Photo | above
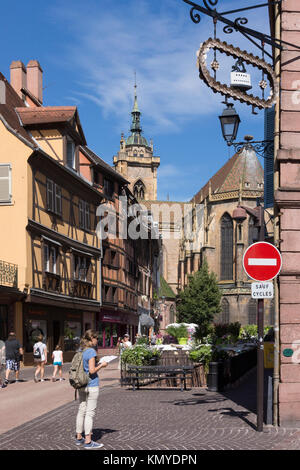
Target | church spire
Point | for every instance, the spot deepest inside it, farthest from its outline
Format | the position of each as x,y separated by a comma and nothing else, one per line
136,115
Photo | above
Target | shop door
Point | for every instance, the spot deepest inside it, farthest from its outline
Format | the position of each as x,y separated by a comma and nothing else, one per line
56,333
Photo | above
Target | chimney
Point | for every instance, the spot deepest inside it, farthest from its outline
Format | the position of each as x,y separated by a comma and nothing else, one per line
35,79
18,77
2,92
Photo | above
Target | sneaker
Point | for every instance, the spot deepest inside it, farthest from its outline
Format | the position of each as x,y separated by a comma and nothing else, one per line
79,442
6,382
93,445
3,386
61,380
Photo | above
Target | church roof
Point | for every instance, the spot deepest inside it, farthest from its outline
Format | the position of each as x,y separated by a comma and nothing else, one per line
137,139
243,167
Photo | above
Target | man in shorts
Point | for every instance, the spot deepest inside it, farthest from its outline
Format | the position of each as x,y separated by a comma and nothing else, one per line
13,351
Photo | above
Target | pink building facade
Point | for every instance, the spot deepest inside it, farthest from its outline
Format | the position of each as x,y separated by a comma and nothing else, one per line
286,26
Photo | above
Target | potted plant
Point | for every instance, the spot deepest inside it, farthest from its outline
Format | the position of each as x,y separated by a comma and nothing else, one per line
180,332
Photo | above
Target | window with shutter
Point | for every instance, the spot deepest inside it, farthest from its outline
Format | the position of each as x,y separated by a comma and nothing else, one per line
269,158
87,221
58,203
46,258
81,214
50,194
53,260
54,198
226,248
5,184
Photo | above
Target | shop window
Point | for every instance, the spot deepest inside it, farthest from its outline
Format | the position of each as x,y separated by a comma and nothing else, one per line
72,335
33,329
107,336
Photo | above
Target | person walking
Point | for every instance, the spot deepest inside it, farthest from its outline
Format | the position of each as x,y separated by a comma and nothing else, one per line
88,395
123,344
57,357
40,358
13,353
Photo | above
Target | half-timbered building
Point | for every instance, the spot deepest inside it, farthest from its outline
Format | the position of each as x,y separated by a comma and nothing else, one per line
48,217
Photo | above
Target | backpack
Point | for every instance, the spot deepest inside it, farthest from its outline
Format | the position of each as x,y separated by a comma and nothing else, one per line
78,378
37,353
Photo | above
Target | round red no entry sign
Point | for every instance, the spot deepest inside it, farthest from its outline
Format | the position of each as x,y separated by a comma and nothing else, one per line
262,261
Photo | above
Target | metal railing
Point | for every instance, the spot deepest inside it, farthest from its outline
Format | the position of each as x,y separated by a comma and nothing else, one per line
8,274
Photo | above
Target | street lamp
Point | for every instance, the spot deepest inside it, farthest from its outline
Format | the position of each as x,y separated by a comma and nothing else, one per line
230,121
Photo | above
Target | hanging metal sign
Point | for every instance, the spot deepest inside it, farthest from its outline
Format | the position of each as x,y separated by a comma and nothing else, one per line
237,91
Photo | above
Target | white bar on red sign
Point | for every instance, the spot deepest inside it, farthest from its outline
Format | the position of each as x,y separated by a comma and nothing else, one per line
262,262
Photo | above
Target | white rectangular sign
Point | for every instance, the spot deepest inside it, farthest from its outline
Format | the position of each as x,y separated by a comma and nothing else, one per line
262,290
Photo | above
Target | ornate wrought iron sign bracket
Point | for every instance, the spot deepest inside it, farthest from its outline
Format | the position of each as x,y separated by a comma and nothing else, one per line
263,148
238,24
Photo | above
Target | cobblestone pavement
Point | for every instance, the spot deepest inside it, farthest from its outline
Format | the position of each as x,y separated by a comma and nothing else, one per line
155,419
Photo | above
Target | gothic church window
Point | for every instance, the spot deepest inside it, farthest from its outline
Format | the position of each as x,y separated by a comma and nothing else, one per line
252,232
139,190
252,311
226,248
225,314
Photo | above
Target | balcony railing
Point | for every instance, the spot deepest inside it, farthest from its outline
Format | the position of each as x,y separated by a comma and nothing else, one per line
8,274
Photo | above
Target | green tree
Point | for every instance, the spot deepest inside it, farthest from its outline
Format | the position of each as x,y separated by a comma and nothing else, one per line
200,301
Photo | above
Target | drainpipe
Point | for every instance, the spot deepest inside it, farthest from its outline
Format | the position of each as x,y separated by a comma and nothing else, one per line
276,372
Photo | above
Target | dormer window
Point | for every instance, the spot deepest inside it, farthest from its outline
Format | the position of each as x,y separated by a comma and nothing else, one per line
71,160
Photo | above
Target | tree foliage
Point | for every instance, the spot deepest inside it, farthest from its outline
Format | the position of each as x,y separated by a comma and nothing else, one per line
200,301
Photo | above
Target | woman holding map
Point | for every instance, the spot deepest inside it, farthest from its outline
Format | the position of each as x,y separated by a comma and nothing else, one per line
88,395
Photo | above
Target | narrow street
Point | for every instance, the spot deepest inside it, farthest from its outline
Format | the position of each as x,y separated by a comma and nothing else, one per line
148,419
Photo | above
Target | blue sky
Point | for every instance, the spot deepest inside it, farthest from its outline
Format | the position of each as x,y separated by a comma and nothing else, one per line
89,51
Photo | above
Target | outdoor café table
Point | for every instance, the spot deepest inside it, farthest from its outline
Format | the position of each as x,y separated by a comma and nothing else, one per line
160,373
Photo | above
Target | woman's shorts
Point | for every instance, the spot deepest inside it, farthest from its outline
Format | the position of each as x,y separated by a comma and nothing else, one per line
11,364
57,363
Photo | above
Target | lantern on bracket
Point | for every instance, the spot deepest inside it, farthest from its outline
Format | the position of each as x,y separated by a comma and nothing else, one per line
230,121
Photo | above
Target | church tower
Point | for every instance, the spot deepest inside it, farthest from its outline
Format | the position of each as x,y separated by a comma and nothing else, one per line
135,160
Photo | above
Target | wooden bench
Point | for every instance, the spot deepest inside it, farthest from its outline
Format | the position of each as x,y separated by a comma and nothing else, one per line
138,373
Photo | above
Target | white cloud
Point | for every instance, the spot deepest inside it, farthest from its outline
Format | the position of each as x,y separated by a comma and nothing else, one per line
160,48
159,41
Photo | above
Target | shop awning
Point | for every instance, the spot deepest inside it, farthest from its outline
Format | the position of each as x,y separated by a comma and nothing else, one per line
146,320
